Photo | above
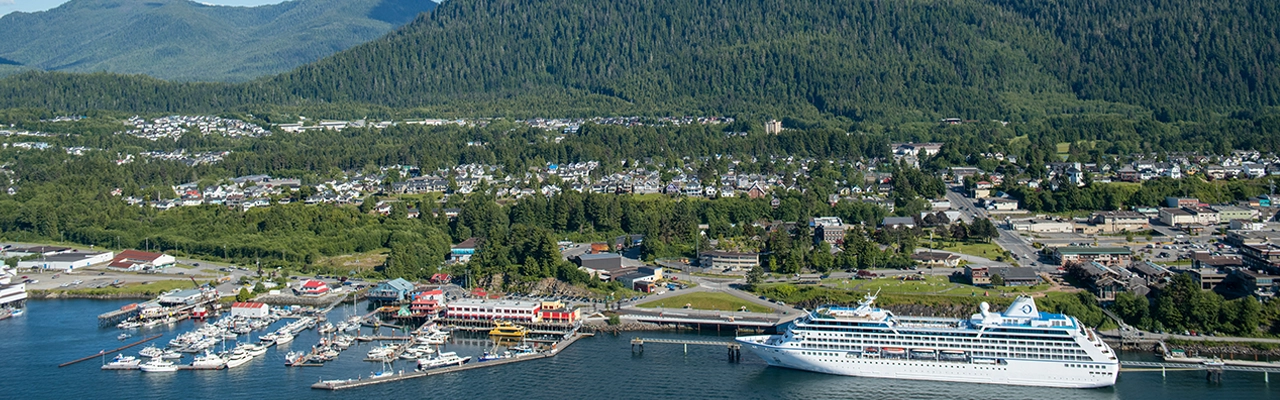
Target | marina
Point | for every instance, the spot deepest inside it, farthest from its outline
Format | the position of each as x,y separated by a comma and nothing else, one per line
401,375
667,368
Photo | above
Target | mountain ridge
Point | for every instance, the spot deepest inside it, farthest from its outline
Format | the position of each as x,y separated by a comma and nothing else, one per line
189,41
860,59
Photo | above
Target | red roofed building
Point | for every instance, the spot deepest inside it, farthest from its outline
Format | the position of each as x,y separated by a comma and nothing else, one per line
428,303
134,260
313,287
441,278
250,310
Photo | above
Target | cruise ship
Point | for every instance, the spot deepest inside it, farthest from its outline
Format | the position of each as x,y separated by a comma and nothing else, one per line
13,294
1021,346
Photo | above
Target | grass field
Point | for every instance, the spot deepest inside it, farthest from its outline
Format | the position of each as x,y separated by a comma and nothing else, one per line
353,262
984,250
150,288
706,301
931,285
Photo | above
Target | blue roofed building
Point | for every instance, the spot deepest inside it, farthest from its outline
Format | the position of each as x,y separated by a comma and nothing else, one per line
392,291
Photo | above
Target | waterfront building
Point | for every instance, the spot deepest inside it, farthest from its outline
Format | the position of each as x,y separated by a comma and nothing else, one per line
250,310
391,291
511,310
427,303
555,311
1020,346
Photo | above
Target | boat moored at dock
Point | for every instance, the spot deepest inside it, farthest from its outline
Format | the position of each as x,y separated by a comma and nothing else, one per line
1021,346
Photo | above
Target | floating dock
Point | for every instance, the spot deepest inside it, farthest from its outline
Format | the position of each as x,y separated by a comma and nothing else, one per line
105,352
355,383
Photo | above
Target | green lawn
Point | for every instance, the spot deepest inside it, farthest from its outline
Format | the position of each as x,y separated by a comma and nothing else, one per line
931,285
359,262
706,301
984,250
150,289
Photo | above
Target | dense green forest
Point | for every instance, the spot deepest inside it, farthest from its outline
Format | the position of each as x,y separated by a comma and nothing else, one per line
189,41
1181,305
862,60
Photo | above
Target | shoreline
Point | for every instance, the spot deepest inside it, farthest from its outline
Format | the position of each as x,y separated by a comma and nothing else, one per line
602,327
61,295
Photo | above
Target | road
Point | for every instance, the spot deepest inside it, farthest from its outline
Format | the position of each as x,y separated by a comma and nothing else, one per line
964,204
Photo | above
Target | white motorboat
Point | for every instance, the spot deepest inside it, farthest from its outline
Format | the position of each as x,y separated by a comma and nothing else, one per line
122,360
382,352
158,365
208,360
444,359
238,357
151,351
253,349
268,338
283,337
171,355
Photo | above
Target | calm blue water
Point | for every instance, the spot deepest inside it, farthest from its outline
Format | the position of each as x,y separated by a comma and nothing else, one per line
56,331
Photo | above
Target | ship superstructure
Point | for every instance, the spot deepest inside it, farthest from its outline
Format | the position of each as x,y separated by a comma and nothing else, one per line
1020,346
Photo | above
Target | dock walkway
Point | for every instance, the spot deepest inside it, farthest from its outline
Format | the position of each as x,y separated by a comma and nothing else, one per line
355,383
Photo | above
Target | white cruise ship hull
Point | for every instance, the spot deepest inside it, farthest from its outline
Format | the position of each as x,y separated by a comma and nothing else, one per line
1014,372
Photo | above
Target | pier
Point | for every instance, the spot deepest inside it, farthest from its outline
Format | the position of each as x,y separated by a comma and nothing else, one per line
105,352
400,376
1213,371
113,317
734,348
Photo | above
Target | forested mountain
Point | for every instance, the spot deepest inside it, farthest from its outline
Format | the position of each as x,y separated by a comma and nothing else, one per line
185,40
862,59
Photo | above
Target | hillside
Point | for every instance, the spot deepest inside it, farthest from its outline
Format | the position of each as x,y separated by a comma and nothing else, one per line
862,59
184,40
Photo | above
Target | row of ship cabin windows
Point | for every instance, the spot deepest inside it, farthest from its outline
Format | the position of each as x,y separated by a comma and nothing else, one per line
1054,343
824,354
1052,335
1022,353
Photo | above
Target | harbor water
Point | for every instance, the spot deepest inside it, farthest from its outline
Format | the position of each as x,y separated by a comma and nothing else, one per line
57,331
